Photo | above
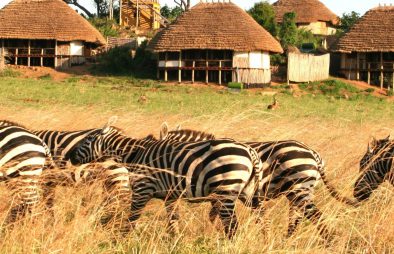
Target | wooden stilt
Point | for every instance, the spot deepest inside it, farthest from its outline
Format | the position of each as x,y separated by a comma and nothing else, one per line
28,53
194,65
369,73
41,58
179,67
206,70
358,67
381,71
16,56
55,60
392,77
165,68
220,72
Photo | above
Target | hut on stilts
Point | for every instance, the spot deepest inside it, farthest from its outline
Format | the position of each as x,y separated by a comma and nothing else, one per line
215,42
46,33
367,50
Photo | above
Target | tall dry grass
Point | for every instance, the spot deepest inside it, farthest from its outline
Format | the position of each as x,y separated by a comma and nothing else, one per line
341,142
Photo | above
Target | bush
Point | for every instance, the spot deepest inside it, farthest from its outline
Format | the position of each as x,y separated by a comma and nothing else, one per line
106,27
119,61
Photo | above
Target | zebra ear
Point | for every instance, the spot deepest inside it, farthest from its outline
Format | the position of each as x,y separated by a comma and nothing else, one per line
108,125
371,144
178,127
387,139
163,130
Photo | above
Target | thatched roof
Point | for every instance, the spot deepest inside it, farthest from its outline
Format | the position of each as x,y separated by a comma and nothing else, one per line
307,11
215,26
374,32
47,20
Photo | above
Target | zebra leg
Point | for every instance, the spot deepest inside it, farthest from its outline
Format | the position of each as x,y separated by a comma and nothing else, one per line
142,194
27,189
228,217
173,217
302,205
214,212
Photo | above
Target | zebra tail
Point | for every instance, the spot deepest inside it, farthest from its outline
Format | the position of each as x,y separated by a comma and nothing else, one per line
334,193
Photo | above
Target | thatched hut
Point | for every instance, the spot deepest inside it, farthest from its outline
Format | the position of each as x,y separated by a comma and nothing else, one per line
367,50
46,33
311,15
215,42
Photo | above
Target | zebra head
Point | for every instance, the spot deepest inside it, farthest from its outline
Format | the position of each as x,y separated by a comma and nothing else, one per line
96,146
374,167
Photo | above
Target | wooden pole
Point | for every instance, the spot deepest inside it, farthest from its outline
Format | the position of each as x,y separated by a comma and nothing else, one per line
220,72
206,66
179,67
42,59
392,77
55,60
165,68
381,71
369,73
28,53
120,12
16,56
194,65
358,67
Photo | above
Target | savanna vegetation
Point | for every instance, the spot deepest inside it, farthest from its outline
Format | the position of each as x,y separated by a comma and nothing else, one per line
333,117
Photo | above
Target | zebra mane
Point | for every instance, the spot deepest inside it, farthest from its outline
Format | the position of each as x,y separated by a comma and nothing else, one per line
10,123
192,133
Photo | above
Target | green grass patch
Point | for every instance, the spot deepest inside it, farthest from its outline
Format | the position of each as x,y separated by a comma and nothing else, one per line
123,93
8,72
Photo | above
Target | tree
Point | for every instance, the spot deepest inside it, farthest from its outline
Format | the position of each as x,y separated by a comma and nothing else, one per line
77,4
348,20
171,13
102,8
288,30
264,14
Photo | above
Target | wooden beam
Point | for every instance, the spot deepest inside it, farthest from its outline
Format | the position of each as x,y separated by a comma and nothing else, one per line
42,58
120,12
137,15
165,68
220,72
16,58
194,65
369,73
381,71
180,69
358,67
55,60
206,70
28,53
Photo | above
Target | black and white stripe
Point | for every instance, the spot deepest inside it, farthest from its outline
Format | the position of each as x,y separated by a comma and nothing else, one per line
376,166
222,170
23,157
290,168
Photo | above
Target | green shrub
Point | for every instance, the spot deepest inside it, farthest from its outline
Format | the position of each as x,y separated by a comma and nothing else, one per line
235,85
390,93
106,27
369,90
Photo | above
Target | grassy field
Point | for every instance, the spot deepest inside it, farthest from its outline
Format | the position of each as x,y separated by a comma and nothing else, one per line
332,117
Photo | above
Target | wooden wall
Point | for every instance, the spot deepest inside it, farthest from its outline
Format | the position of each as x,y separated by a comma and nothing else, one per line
307,67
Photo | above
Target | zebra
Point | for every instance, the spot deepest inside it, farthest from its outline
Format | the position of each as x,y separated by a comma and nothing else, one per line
290,168
23,157
376,166
222,170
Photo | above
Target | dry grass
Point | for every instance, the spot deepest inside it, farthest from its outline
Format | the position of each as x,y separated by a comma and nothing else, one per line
341,142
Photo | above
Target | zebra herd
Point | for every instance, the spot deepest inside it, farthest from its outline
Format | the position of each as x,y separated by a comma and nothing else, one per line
187,164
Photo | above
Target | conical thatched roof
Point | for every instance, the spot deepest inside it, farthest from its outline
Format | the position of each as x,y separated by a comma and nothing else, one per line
47,20
374,32
307,11
215,26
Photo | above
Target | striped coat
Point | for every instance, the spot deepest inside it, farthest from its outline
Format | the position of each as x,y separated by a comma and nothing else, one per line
222,170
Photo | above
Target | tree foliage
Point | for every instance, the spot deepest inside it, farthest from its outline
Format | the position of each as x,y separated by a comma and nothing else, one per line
348,20
264,14
170,13
288,30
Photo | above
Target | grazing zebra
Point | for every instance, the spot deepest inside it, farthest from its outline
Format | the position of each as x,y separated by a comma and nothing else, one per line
290,168
222,170
23,157
376,167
